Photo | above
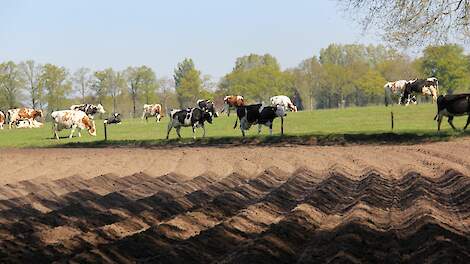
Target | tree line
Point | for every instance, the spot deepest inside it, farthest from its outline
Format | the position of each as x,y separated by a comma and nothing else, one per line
340,76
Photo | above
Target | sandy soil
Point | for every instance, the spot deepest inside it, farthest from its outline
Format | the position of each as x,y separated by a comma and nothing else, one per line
409,203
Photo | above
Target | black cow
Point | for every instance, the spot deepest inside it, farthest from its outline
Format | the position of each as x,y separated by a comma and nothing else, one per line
207,105
89,109
114,119
452,105
427,87
258,114
193,117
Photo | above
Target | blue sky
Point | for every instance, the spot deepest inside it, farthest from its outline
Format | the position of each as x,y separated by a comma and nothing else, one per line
99,34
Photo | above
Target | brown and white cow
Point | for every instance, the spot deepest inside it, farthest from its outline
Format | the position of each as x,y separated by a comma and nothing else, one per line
14,115
2,119
72,119
152,110
232,102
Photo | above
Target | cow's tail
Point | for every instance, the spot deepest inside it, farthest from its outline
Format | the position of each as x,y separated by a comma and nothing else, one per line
235,125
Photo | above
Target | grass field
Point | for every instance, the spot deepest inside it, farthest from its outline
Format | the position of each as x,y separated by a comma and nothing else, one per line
412,121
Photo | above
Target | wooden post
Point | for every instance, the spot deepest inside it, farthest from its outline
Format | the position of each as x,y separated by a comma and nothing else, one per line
391,119
105,132
282,126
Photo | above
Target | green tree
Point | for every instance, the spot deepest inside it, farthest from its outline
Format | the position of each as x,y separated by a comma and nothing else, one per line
258,77
83,80
139,80
31,72
11,83
188,83
448,64
55,81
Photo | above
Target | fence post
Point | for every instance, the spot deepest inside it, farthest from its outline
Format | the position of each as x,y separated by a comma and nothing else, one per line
105,132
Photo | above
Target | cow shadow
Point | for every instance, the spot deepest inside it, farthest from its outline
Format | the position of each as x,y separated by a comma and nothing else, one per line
334,139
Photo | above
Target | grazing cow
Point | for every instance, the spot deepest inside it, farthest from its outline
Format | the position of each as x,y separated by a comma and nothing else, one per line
452,105
23,113
257,114
114,119
89,109
193,117
232,102
427,87
283,101
208,106
152,110
396,88
72,119
2,119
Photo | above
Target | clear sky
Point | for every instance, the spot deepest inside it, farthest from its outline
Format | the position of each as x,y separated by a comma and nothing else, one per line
99,34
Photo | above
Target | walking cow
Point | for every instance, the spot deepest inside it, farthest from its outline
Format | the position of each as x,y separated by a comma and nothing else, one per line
72,119
191,117
258,114
450,106
426,87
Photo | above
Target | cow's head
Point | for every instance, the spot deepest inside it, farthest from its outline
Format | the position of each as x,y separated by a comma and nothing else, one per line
100,109
90,125
37,113
207,116
280,112
211,109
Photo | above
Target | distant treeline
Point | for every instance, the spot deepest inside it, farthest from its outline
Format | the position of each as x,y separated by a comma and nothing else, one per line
341,76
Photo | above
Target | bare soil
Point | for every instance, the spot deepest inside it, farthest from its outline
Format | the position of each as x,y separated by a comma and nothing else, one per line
237,204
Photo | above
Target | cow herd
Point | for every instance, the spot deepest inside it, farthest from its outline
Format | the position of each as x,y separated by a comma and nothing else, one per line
81,117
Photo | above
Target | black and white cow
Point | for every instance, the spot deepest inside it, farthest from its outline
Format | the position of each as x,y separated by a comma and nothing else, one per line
258,114
450,106
426,87
191,117
89,109
114,119
207,105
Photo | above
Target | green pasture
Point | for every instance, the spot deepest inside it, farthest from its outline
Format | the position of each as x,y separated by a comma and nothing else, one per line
411,121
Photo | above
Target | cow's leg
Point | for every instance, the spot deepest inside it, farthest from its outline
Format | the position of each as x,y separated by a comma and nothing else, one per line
170,126
194,131
73,131
158,118
79,132
468,122
56,131
449,120
228,111
271,129
203,131
439,120
178,131
259,128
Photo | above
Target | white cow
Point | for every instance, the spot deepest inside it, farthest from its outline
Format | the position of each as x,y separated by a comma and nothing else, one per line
71,119
283,101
